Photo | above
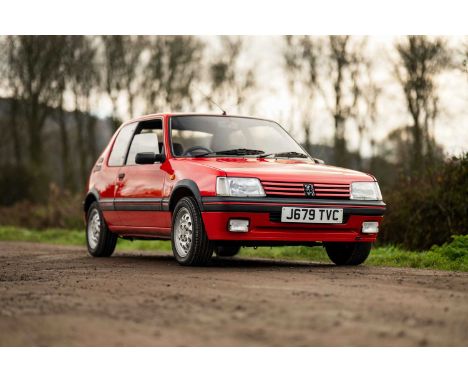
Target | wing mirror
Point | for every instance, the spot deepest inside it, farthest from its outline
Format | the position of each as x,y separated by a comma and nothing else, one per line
149,158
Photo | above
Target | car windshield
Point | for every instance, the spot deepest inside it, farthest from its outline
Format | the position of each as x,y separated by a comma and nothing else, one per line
205,136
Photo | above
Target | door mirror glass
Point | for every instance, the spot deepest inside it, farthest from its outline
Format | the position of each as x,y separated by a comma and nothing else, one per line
148,158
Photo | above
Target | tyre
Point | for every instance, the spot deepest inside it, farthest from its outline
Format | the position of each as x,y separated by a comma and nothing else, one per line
190,244
348,253
99,239
227,251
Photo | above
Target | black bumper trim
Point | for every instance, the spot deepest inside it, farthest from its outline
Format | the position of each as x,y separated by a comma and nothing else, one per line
292,201
274,205
277,209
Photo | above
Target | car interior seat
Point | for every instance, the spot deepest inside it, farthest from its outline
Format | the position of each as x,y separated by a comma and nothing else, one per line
177,149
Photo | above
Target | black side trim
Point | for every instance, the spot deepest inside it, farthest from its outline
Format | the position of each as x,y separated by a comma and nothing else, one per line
137,200
165,204
131,204
137,207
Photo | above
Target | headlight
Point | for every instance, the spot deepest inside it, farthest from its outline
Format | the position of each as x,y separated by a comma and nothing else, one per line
365,191
226,186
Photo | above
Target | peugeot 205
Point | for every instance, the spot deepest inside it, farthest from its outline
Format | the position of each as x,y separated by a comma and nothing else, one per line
216,183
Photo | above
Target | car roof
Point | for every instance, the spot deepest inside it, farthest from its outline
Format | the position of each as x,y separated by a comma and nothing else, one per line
159,115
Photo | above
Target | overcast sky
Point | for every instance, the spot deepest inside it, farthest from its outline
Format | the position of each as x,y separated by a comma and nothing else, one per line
272,99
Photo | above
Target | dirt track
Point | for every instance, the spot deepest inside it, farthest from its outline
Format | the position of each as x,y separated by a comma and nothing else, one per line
56,295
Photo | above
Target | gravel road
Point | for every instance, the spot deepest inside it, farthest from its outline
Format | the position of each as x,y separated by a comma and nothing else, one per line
59,296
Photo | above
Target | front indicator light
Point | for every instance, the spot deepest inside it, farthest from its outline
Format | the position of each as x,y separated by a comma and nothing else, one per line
370,227
238,225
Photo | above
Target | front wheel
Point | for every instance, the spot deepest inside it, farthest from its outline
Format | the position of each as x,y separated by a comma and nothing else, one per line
99,239
190,244
348,253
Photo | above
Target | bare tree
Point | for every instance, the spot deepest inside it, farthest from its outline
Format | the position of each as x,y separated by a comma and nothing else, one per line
10,81
464,53
173,65
301,62
134,47
346,65
67,169
339,61
113,71
83,78
230,84
365,94
421,60
123,58
35,68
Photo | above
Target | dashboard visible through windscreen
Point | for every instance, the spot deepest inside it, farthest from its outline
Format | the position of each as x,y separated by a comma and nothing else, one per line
196,135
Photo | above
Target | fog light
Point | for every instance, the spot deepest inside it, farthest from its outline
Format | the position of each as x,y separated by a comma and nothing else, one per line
238,225
370,227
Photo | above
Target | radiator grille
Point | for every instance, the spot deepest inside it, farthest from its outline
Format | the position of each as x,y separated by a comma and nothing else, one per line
296,190
331,191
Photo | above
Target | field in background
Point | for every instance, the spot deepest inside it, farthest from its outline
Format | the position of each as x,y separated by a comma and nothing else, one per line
452,256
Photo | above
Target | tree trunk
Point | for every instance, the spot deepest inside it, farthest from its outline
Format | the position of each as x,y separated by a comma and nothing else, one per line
91,134
307,132
14,131
35,122
81,148
339,141
67,171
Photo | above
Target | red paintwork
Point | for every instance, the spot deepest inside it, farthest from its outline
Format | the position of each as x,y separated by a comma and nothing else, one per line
262,229
158,181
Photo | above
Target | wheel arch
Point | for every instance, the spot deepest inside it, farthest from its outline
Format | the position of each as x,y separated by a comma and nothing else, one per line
185,187
92,196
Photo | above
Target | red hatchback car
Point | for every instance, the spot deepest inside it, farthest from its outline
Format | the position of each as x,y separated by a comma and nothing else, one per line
214,183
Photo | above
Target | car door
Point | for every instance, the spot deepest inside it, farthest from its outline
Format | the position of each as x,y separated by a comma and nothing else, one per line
107,183
139,187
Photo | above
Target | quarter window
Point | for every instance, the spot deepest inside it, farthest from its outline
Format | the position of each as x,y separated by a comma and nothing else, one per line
119,150
147,139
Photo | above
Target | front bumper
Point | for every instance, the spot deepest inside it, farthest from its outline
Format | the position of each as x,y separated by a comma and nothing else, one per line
264,215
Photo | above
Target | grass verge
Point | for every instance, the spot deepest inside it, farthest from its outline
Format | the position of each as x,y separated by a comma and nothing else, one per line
451,256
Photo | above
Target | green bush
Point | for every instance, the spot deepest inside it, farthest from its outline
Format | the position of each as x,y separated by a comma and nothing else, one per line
454,251
61,210
428,210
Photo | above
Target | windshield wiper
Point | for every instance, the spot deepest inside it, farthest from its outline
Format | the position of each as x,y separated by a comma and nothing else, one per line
232,152
288,154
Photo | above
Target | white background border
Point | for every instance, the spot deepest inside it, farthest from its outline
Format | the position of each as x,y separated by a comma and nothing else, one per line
233,17
264,17
233,364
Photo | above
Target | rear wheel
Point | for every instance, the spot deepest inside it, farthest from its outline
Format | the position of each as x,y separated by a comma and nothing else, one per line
348,253
100,240
227,250
190,244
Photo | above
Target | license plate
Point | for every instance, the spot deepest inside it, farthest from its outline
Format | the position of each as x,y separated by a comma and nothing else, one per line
312,215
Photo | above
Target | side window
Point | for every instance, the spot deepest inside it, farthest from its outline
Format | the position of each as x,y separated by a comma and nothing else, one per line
146,139
119,150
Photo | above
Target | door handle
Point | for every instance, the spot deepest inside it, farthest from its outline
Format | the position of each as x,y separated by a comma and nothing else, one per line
121,175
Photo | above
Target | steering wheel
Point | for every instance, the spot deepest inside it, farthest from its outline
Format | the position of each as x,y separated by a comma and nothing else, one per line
190,150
